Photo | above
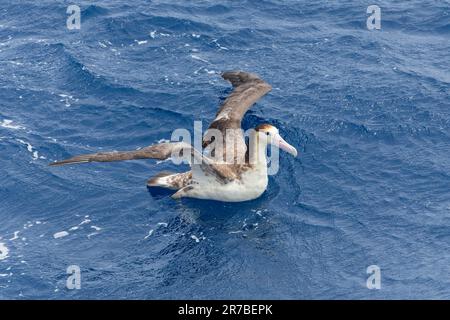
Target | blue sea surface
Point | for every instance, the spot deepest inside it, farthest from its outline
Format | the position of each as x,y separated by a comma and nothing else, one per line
369,112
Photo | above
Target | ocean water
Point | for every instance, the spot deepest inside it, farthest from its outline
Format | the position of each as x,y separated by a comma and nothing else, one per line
369,112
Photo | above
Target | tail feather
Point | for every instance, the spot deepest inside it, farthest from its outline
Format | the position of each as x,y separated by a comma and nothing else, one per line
161,180
170,180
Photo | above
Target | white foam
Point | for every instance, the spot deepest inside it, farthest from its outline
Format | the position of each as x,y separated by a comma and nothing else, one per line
218,45
16,63
141,42
8,124
27,225
60,234
164,224
149,234
30,149
195,238
3,251
96,228
211,71
16,236
195,57
29,146
86,221
153,34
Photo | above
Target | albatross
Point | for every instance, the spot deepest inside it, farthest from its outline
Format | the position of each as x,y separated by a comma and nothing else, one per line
227,168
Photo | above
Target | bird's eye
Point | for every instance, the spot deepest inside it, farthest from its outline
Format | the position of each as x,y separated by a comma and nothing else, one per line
267,133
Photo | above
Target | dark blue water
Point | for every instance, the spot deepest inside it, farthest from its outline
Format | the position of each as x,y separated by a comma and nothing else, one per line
369,112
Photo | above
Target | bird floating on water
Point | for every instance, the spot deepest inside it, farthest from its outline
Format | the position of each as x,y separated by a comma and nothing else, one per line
243,178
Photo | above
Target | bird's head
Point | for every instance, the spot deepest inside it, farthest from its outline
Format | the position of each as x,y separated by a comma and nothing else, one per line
270,135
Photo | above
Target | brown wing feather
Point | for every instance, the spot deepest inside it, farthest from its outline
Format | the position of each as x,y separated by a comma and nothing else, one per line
159,151
248,88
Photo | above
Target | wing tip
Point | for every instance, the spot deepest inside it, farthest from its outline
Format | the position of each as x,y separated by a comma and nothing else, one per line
238,77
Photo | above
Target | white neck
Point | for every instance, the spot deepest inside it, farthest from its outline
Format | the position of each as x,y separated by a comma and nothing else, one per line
258,149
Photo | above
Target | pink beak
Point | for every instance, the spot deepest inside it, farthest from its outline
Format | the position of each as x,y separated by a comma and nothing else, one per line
283,145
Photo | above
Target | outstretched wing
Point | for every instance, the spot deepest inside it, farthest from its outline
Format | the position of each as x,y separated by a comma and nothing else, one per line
248,88
161,151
